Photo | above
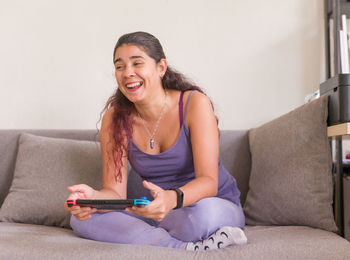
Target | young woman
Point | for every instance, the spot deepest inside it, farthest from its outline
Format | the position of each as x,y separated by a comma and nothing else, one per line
166,127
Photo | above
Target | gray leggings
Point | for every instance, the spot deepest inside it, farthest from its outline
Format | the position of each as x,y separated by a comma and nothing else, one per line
188,224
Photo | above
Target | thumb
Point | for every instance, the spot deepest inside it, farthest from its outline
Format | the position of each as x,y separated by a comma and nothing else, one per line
152,187
77,188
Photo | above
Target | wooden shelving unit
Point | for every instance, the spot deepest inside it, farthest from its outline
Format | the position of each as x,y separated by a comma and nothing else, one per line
333,10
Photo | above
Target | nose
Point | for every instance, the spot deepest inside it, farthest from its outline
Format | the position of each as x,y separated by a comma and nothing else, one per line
129,71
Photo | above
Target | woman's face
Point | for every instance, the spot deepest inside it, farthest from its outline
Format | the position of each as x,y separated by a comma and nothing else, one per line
137,74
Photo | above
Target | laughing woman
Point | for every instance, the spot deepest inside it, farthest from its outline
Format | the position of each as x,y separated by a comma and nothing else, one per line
166,128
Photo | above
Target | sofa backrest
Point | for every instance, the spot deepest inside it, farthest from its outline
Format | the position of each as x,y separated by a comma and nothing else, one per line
235,155
234,152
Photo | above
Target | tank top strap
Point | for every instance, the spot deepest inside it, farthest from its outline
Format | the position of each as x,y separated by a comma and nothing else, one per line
188,100
181,108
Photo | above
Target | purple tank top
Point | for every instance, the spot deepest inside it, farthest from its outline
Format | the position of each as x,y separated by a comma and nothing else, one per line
174,167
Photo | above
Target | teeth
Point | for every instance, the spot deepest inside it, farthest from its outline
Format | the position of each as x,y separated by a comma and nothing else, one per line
133,85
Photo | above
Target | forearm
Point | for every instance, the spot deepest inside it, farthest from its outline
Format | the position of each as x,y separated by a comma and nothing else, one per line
199,188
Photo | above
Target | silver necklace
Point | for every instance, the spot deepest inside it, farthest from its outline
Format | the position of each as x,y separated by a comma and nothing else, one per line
151,141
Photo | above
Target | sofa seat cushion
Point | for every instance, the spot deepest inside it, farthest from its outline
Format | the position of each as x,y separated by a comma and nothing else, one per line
272,242
30,241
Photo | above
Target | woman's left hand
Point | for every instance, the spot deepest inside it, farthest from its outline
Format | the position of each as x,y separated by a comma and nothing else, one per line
164,201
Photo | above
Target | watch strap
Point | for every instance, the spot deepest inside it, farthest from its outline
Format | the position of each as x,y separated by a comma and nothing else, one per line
180,197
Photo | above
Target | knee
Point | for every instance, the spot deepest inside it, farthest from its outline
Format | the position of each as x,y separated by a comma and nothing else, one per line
195,222
79,227
222,212
203,218
213,213
209,211
85,228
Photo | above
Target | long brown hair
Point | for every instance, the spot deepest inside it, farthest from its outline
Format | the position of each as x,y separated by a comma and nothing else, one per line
121,121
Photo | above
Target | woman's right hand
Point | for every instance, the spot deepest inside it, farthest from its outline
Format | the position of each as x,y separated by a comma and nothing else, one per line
80,191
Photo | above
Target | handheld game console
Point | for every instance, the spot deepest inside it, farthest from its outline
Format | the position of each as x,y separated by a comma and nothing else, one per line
111,204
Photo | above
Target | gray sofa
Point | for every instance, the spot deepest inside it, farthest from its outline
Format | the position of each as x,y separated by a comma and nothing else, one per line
21,239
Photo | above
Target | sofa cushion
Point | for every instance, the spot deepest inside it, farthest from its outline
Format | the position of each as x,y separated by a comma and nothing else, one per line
235,156
44,168
290,182
42,242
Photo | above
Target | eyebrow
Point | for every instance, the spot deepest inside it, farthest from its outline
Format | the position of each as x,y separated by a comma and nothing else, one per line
132,57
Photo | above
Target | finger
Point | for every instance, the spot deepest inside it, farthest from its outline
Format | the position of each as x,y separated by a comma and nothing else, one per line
143,212
149,215
84,214
154,189
75,208
85,211
72,196
151,186
155,210
134,210
84,218
154,194
69,208
88,209
77,188
80,209
76,212
73,188
76,195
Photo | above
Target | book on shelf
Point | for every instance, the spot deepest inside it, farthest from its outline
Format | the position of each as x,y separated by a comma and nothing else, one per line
344,44
344,54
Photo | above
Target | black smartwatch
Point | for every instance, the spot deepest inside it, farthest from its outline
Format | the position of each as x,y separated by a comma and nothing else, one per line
180,197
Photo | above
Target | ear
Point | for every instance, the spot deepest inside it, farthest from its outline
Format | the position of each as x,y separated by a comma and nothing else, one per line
162,66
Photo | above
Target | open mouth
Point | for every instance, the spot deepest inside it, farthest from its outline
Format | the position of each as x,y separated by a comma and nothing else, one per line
133,86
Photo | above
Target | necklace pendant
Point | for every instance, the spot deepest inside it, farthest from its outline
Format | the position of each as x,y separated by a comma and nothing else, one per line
151,143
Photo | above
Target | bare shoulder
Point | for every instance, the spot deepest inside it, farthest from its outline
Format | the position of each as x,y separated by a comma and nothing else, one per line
198,102
199,107
199,98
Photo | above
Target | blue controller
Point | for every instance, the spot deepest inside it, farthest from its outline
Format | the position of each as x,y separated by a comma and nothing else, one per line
141,202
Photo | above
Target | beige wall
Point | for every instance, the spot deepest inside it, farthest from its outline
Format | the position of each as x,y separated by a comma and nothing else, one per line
256,59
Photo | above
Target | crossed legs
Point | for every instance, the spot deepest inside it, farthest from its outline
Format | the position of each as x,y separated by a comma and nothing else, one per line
180,226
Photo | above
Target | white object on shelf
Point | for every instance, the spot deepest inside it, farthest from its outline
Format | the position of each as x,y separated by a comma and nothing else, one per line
312,96
344,48
344,61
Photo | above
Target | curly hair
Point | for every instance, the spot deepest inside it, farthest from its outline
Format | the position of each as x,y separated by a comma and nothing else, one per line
121,120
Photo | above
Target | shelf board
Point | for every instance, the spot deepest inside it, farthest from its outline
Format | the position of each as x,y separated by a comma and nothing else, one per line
336,130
